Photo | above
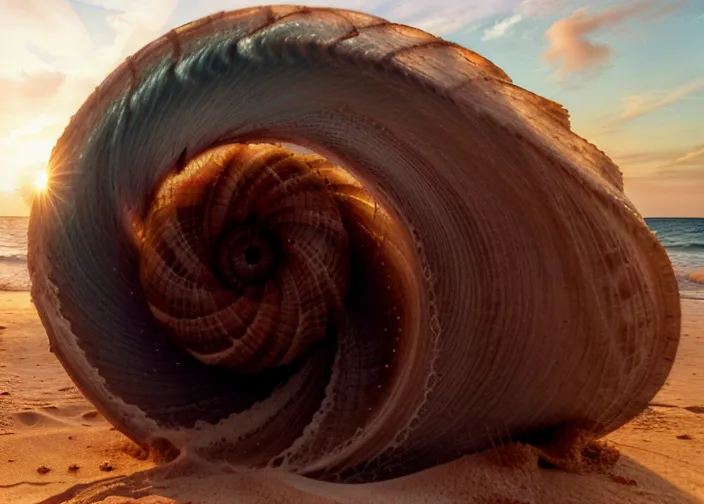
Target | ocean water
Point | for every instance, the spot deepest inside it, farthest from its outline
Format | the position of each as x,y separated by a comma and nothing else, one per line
682,238
684,241
13,254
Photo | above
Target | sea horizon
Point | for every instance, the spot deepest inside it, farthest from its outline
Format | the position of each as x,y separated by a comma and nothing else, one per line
682,238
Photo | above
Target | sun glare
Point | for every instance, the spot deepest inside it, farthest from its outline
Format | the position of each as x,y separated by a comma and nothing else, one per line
41,181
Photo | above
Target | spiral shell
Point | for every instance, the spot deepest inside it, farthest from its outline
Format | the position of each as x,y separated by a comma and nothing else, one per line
470,272
244,258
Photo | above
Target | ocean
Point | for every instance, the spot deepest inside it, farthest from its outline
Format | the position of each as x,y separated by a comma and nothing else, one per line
13,254
682,238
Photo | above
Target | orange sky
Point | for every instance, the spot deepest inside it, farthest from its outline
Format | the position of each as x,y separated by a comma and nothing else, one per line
629,72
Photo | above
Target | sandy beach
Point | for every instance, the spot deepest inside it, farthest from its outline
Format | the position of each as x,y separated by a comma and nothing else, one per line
54,445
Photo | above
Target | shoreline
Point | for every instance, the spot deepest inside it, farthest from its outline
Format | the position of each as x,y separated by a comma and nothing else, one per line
46,423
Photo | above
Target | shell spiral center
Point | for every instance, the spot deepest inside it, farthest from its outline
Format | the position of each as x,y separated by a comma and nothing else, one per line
244,256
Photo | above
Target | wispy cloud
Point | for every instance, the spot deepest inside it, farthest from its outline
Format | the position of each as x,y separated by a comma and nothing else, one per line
659,160
523,10
644,103
501,28
693,157
655,158
570,48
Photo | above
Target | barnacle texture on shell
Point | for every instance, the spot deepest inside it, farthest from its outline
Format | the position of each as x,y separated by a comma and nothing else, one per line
457,269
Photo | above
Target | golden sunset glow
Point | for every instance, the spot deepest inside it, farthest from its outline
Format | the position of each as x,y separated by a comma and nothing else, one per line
41,181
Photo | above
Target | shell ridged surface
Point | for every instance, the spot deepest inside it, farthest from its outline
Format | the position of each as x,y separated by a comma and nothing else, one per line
459,269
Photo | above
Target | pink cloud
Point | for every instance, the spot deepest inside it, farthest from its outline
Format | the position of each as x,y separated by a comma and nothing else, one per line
569,44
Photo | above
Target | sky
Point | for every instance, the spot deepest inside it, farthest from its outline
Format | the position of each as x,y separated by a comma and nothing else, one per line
631,73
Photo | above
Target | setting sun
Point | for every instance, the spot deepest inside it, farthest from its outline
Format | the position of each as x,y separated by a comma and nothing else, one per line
41,180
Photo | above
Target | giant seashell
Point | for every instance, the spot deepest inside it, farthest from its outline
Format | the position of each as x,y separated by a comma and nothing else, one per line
464,268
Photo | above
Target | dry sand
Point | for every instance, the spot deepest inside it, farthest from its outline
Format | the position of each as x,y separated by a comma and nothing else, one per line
46,423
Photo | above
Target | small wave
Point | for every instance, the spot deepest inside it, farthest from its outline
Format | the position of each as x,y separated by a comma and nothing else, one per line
14,285
13,258
13,273
692,296
697,276
690,246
